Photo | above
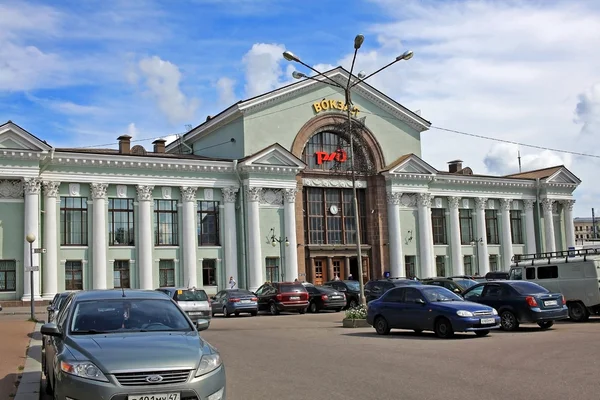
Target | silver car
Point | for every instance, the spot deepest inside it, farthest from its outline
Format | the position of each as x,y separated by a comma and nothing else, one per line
193,301
129,345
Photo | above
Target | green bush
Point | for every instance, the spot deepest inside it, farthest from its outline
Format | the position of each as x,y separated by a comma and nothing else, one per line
358,312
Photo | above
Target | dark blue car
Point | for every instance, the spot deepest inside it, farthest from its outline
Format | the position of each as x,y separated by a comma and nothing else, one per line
430,308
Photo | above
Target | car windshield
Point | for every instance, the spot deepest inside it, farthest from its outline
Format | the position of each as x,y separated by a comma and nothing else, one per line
465,283
436,293
352,285
127,315
526,288
191,295
406,282
60,301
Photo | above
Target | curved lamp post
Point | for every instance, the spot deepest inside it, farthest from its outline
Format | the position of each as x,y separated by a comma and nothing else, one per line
274,241
358,41
30,239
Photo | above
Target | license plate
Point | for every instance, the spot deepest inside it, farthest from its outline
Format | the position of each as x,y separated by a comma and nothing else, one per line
155,396
486,321
336,297
550,303
245,301
197,313
295,298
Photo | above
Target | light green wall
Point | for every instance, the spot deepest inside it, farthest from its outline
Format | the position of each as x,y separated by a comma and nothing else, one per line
12,240
271,217
213,144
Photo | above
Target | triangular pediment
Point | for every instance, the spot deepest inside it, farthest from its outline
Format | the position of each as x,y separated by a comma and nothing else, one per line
13,137
563,175
273,156
411,164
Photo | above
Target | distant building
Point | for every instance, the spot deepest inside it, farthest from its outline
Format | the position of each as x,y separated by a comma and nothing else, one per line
584,229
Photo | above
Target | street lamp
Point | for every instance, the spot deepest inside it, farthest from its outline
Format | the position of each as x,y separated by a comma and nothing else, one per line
30,239
475,243
274,241
358,41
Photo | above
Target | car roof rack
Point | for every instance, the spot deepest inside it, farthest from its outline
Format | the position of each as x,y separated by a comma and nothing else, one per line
566,254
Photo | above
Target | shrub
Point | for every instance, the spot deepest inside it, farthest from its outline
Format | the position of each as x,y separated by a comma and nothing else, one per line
358,312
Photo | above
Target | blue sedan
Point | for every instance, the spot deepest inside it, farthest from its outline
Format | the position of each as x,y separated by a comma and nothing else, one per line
430,308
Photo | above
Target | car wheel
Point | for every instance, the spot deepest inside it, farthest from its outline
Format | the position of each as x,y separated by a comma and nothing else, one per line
578,312
418,331
482,333
273,309
546,324
302,311
225,312
353,303
237,313
338,309
49,389
254,313
313,307
508,321
443,329
381,326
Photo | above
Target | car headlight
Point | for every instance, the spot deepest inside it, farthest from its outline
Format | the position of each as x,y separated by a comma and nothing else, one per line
208,363
463,313
494,312
83,369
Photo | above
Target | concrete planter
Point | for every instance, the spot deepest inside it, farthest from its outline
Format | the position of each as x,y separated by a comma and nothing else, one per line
355,323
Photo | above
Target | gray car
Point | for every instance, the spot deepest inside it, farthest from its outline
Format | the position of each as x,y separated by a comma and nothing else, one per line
193,301
129,345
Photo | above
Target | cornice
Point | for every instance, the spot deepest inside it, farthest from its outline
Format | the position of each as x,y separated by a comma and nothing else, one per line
328,182
270,183
476,180
21,154
408,176
269,169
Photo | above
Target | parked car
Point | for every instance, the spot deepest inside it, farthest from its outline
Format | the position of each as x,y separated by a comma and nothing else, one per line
55,305
191,300
375,288
463,282
496,276
324,298
430,308
276,297
234,301
448,283
350,288
475,278
129,344
520,302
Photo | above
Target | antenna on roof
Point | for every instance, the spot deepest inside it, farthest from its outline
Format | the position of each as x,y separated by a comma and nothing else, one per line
519,158
123,291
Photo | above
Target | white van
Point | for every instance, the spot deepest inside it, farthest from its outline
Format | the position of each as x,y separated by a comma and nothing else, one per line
574,273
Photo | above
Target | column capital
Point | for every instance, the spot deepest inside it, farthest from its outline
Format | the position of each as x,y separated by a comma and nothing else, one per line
144,192
547,204
424,199
32,185
453,202
481,203
394,198
528,204
188,193
290,195
51,188
99,190
229,194
568,204
505,204
253,193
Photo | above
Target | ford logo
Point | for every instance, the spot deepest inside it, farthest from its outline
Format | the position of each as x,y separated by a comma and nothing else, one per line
154,378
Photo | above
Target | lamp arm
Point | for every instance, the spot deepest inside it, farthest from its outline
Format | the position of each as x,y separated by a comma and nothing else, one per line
322,81
373,73
334,83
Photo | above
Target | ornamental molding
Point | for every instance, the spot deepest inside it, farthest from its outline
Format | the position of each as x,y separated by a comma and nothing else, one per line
481,203
454,202
548,205
32,186
21,154
394,198
272,197
270,170
11,189
99,190
333,183
568,204
408,200
528,205
253,193
290,195
188,193
229,194
505,204
144,192
424,199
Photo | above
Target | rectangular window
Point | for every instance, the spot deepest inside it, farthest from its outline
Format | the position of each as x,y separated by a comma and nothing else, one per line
438,222
165,223
121,274
8,275
166,273
73,275
516,227
549,272
440,265
466,226
409,266
208,223
73,221
491,226
209,272
494,263
272,264
530,273
468,263
120,222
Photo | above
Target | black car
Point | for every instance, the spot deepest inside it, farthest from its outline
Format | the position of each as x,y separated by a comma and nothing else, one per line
496,276
324,298
520,302
350,288
448,283
376,288
55,305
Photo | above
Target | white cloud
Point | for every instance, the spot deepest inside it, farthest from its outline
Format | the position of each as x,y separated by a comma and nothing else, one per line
226,91
163,79
132,130
503,159
263,68
587,111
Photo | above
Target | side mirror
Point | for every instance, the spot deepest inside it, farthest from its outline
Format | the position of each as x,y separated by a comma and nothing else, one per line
420,301
457,290
49,308
202,325
51,329
213,298
343,289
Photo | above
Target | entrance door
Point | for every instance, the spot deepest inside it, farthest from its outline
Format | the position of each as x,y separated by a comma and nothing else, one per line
339,268
318,272
354,269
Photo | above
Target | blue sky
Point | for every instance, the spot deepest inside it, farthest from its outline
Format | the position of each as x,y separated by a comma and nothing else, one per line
81,73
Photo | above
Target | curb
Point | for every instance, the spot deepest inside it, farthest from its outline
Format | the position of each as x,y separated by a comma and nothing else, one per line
31,378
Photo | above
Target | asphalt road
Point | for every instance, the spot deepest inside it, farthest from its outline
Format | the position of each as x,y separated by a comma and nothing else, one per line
299,357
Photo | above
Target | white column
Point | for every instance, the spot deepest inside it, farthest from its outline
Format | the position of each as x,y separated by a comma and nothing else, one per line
190,237
229,236
50,270
425,236
145,237
549,225
99,241
395,235
484,258
529,227
458,267
255,267
506,243
568,221
31,190
291,251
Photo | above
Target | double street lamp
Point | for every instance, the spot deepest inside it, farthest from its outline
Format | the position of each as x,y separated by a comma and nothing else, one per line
358,41
274,241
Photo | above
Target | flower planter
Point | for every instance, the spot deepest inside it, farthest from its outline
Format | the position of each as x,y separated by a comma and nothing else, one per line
355,323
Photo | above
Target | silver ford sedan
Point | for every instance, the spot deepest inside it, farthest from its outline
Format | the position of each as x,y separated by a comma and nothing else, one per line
129,345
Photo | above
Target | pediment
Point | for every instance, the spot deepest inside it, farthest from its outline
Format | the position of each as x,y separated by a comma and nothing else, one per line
274,156
412,165
13,137
563,176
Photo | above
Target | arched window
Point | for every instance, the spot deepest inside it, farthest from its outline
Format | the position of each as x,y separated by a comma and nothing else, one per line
326,151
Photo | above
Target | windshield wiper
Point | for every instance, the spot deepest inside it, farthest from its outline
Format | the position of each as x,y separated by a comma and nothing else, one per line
89,332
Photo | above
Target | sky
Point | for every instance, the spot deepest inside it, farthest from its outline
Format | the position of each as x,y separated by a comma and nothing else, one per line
81,73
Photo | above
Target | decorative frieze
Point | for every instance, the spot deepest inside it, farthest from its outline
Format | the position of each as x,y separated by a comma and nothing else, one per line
229,194
290,195
32,186
122,191
74,189
209,194
11,189
253,193
272,197
394,198
336,183
144,192
51,188
188,193
408,200
99,190
166,192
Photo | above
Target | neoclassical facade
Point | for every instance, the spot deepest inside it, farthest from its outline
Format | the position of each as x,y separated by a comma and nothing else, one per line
260,192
